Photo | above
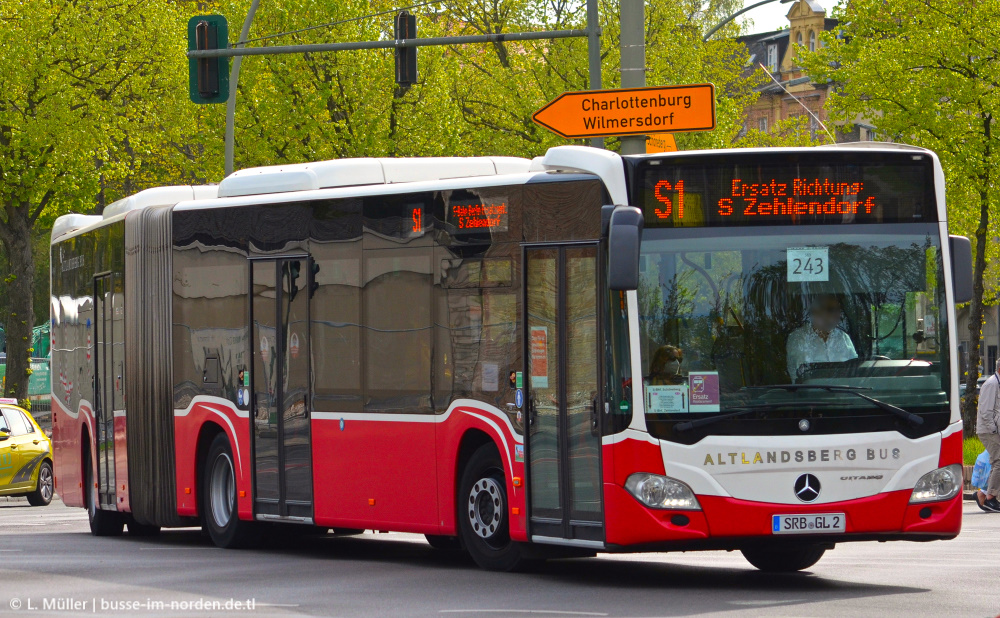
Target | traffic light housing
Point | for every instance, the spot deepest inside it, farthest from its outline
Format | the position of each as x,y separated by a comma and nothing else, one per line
406,57
208,77
313,275
293,271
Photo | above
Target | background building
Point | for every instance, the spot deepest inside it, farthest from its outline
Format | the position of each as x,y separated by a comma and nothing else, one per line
776,51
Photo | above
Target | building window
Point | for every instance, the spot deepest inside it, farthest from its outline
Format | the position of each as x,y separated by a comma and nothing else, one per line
762,123
799,39
772,58
812,40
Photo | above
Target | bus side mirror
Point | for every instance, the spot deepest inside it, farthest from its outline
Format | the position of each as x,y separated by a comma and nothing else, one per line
624,236
961,268
3,435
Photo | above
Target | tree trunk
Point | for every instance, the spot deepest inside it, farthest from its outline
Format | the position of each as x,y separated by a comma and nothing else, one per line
20,293
970,404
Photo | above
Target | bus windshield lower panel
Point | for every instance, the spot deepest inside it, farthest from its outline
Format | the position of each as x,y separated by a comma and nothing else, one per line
793,331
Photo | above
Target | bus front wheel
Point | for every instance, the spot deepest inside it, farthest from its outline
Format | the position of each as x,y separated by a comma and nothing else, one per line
483,512
783,559
218,501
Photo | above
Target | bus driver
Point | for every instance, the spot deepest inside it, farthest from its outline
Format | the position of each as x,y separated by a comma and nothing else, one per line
820,340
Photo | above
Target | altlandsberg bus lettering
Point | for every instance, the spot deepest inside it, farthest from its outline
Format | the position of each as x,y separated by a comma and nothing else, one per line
474,350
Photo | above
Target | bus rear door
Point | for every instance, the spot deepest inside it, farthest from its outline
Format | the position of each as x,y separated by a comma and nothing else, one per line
280,410
103,359
563,393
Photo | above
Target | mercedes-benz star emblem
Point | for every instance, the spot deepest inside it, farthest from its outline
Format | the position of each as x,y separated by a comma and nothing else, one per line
807,488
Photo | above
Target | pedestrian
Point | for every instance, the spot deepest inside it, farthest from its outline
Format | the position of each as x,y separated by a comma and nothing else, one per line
988,429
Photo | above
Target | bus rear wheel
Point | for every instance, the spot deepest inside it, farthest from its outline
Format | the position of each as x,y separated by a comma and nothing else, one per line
102,523
483,512
218,501
783,559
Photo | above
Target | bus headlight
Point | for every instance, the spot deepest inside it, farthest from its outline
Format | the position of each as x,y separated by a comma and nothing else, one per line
941,484
661,492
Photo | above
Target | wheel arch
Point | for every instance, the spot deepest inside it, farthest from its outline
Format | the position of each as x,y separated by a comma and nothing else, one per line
206,434
86,463
472,440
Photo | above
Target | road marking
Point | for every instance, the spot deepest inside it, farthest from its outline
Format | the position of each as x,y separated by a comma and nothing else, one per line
157,548
555,612
259,604
11,550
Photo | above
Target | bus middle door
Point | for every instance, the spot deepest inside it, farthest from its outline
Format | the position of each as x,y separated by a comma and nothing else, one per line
281,439
562,331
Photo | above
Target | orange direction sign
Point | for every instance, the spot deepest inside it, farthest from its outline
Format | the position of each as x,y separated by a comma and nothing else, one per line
660,142
630,111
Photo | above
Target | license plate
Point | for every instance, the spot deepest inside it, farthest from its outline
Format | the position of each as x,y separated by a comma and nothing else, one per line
813,523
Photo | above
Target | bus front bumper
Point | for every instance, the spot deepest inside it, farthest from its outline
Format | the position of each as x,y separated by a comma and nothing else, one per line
729,523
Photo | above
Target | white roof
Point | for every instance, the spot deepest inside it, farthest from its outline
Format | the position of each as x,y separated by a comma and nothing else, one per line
161,196
357,172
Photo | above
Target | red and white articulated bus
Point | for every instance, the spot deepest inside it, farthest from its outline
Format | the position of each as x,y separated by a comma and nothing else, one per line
753,350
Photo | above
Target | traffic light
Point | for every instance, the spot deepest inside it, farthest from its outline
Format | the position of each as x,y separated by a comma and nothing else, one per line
208,80
293,275
406,57
313,284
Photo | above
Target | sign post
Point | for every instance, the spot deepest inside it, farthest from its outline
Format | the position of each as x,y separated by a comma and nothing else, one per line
629,111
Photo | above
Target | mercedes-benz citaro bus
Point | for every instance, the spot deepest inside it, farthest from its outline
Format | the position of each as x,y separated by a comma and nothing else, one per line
744,350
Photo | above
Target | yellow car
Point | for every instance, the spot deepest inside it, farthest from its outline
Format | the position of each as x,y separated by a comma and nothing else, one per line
25,456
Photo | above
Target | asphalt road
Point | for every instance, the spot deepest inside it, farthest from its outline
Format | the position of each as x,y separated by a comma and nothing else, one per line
51,563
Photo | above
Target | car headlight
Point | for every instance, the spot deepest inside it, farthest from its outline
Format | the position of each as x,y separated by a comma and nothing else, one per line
661,492
941,484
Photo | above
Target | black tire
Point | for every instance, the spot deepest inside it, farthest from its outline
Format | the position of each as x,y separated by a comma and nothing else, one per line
42,495
444,543
142,530
218,500
783,559
483,512
102,523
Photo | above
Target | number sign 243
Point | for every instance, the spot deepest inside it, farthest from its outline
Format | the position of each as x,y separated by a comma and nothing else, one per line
808,264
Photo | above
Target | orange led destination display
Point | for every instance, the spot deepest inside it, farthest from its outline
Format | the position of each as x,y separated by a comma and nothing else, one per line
630,111
803,188
478,216
800,197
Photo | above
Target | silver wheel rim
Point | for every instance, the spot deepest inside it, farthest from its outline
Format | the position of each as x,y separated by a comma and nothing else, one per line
45,483
485,507
222,490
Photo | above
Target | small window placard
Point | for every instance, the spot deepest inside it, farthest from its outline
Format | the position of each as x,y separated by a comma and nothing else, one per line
667,399
808,264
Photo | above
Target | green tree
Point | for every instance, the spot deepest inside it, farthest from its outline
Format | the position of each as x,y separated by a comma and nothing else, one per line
81,80
926,72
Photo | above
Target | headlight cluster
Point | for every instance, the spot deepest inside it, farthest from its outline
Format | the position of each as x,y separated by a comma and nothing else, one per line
661,492
941,484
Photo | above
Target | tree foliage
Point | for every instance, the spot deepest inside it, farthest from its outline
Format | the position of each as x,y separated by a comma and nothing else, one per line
926,72
94,105
85,105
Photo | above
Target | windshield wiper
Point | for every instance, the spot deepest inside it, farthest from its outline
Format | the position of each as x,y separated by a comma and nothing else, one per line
910,417
742,410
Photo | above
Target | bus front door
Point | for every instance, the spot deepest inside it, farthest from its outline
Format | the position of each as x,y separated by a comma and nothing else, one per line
280,411
562,334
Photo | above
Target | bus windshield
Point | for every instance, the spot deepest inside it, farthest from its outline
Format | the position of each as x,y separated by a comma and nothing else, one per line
789,325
